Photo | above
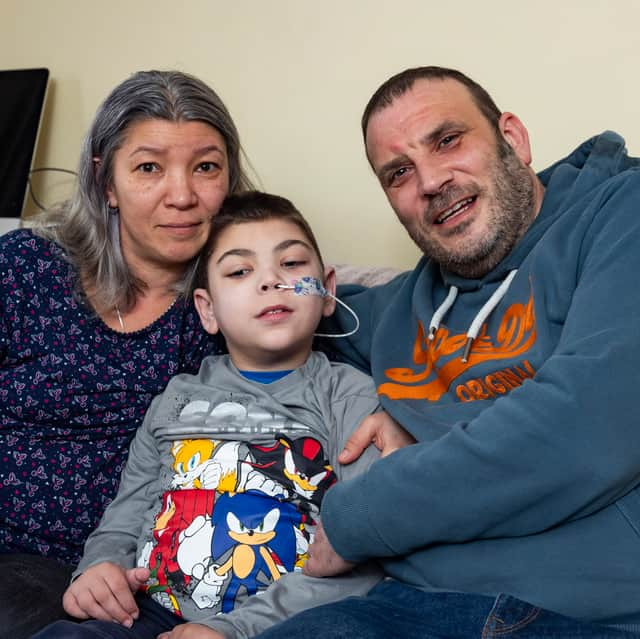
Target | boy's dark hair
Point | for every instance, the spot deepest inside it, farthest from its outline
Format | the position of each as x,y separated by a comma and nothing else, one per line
250,206
402,82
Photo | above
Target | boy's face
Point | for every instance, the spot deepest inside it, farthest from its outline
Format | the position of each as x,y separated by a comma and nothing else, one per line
265,328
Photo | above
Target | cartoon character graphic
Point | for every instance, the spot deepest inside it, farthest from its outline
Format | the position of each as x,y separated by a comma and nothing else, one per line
209,464
255,540
300,461
178,511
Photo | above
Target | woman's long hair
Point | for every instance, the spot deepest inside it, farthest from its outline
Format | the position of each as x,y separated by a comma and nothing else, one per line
85,227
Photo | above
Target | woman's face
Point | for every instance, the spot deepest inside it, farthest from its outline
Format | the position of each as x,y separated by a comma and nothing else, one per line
169,180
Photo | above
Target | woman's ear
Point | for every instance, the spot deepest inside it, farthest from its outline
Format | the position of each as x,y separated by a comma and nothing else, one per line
204,305
330,286
516,135
112,200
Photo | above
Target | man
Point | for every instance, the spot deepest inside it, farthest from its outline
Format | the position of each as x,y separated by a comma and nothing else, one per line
510,353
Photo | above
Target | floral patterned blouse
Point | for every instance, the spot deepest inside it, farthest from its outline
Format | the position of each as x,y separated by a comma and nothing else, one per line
72,394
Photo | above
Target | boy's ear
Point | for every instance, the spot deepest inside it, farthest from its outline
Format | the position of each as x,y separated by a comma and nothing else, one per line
330,286
204,306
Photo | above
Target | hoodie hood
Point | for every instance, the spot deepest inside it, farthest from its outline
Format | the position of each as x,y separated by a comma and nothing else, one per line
568,180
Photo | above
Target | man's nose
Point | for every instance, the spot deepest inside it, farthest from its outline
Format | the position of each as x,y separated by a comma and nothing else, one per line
433,176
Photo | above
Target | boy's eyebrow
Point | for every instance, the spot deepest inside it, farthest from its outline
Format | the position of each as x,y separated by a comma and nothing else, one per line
238,251
283,246
287,243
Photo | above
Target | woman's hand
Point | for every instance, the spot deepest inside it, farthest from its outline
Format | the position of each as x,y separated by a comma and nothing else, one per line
105,591
191,631
379,429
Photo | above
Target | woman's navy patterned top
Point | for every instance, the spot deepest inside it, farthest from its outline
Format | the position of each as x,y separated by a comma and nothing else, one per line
72,394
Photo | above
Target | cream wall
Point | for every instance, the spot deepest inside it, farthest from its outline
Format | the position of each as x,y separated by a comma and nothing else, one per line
296,75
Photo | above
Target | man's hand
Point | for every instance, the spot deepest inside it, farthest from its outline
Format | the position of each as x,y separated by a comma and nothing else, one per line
191,631
323,560
105,591
379,429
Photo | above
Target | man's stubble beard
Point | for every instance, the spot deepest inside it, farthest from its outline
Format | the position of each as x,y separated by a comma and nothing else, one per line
510,215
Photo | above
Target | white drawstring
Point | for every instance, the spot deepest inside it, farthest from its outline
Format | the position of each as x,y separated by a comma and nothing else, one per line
478,320
434,324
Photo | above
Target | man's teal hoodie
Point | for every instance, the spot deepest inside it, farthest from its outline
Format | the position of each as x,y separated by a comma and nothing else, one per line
525,476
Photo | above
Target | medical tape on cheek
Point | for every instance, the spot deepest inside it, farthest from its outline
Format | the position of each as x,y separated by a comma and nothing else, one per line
306,286
313,286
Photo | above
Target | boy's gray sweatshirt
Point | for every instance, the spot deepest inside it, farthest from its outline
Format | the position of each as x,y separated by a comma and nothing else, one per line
221,492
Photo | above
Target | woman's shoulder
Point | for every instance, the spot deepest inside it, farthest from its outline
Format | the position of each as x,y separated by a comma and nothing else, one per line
27,245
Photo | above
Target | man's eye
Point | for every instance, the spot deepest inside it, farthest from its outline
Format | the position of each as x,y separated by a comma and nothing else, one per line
447,140
397,176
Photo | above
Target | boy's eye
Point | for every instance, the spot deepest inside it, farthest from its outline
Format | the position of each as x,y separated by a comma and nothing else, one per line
239,272
293,263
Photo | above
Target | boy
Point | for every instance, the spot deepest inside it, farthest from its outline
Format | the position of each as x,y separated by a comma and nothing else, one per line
225,477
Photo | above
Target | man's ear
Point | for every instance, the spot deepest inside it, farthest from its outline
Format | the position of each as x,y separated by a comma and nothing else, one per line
204,306
330,286
516,135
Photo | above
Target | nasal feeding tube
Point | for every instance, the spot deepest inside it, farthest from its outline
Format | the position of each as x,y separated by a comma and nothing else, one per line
313,286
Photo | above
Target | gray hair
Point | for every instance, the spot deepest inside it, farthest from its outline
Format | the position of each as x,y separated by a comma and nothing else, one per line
85,226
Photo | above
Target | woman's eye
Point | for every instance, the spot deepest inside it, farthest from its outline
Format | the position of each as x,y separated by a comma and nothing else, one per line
148,167
208,167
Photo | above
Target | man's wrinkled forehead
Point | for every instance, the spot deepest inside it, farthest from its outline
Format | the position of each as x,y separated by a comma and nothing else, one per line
423,108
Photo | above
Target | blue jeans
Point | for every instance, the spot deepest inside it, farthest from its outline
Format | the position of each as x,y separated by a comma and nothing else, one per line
393,611
152,620
31,589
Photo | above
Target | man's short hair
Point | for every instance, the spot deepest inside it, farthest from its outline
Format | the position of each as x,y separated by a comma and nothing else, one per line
402,82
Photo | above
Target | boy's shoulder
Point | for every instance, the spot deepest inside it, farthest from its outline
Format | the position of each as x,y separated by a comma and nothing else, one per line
339,376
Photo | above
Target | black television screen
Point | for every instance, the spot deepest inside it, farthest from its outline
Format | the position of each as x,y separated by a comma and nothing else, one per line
22,94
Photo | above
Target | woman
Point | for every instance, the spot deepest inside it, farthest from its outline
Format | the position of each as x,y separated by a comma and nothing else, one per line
93,322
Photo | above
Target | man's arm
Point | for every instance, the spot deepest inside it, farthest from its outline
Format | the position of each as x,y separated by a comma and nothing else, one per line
562,446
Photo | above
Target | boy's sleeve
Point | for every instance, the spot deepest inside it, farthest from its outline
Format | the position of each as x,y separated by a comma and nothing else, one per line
116,537
292,593
354,398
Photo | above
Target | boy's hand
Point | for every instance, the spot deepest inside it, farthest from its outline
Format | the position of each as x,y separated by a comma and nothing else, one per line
191,631
379,429
323,560
105,591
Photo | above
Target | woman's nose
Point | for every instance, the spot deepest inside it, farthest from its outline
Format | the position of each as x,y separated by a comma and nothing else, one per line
180,192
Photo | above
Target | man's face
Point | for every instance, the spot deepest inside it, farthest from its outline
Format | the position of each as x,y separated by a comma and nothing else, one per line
462,191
